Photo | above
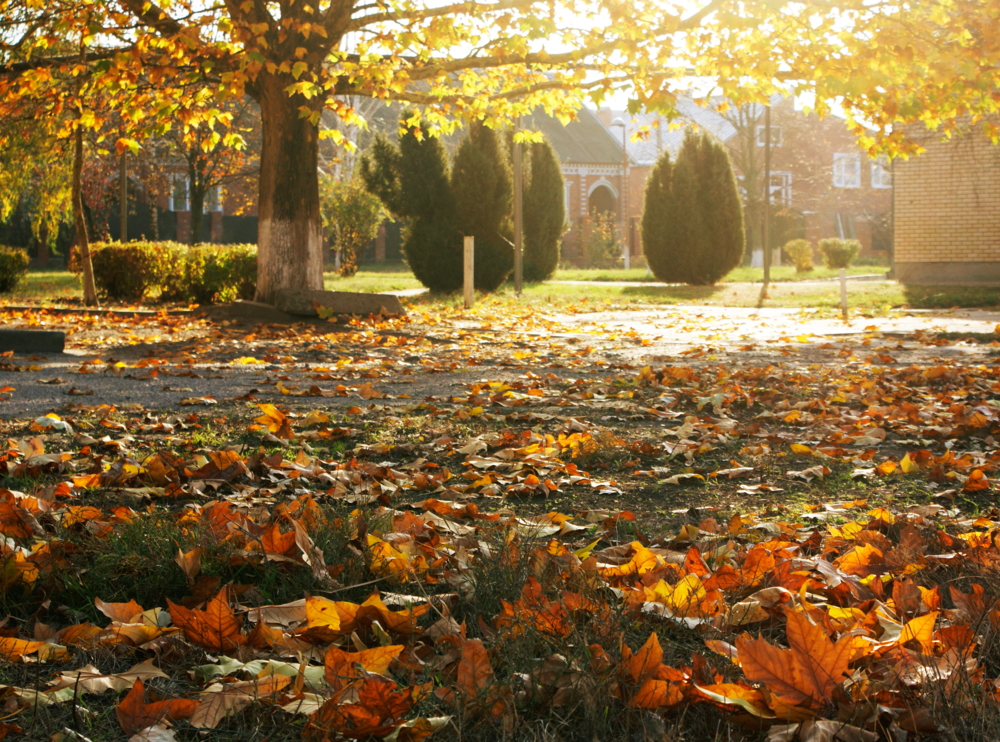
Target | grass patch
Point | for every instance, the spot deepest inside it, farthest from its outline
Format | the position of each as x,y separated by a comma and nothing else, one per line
375,278
739,275
46,284
868,297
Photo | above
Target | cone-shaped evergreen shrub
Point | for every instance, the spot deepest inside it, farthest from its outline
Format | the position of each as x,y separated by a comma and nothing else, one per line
482,186
412,181
661,237
544,213
692,222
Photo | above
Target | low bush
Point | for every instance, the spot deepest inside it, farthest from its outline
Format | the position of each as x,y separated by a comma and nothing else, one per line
128,271
801,253
208,273
13,268
839,253
200,274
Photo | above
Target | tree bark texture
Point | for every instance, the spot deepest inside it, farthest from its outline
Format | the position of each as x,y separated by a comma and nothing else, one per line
290,236
82,243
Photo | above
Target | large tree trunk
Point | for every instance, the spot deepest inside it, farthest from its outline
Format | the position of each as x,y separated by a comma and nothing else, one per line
82,243
290,236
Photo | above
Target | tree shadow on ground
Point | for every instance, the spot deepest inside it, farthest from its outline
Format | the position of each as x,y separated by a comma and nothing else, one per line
669,294
947,297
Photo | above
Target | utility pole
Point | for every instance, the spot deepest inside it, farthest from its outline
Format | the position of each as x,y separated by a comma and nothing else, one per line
619,121
767,195
518,212
123,196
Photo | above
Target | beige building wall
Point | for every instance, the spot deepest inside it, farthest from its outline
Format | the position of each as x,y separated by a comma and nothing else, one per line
947,211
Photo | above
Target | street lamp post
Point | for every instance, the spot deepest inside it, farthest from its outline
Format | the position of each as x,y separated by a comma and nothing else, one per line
624,199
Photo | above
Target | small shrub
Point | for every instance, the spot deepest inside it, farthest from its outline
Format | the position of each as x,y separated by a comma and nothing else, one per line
601,248
839,253
351,216
13,268
801,253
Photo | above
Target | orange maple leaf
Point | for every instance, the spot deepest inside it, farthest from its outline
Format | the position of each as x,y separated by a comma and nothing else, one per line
215,628
804,675
135,714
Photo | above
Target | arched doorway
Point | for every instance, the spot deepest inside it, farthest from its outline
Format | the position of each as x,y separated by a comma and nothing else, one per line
602,201
600,246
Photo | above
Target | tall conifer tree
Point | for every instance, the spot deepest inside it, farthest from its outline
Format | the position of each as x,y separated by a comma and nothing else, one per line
483,187
544,213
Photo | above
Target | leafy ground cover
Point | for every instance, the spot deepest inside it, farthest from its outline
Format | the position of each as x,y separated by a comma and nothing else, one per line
407,529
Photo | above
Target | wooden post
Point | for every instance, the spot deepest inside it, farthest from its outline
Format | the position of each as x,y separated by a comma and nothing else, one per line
470,265
518,217
843,292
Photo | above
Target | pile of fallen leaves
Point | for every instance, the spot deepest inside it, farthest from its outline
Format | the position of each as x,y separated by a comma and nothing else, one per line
849,622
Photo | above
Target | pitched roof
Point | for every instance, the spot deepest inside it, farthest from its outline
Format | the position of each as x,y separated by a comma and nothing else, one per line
661,137
585,140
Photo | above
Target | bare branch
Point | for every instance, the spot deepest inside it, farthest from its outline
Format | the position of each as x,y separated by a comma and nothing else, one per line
154,17
458,8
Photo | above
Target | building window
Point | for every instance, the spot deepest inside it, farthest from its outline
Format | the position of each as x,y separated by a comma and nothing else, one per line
178,200
846,170
213,199
566,199
781,188
775,136
881,173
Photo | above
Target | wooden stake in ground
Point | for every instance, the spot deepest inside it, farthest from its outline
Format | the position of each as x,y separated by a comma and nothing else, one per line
470,266
843,292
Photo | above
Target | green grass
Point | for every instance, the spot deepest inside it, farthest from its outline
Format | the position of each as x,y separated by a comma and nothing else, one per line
739,275
376,278
874,297
59,286
46,284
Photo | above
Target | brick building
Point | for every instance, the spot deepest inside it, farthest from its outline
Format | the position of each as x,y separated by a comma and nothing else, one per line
946,213
590,157
822,184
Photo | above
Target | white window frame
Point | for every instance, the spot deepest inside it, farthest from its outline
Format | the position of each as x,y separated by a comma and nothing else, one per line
781,193
881,173
567,200
841,177
214,198
171,201
775,136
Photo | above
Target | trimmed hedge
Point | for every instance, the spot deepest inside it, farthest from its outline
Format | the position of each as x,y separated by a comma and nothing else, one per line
839,253
200,274
13,268
801,253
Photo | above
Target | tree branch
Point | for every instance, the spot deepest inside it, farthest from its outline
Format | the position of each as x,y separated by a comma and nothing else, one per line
693,20
152,16
457,8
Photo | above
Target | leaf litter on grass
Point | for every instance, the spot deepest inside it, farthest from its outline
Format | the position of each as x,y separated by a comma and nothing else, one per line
839,620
